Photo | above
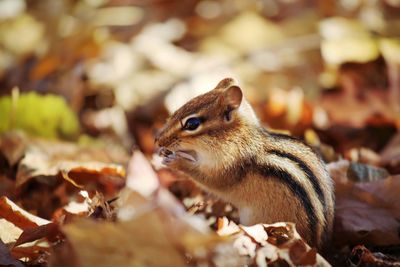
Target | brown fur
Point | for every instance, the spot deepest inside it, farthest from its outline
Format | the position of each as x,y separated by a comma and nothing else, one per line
257,171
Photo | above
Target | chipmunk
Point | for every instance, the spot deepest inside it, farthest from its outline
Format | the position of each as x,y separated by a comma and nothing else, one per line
217,140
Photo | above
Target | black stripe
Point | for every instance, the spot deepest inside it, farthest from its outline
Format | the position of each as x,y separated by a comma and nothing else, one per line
298,190
310,174
283,136
290,138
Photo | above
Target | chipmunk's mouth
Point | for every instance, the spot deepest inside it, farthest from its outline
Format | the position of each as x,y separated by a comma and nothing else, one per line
169,156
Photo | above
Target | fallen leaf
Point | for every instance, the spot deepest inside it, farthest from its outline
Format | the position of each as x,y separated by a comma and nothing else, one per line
189,233
80,166
7,186
49,231
14,221
35,254
140,242
141,176
269,244
361,256
301,256
19,217
365,212
12,146
9,232
374,106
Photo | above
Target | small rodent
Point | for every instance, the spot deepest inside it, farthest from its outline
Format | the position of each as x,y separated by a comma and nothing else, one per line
217,140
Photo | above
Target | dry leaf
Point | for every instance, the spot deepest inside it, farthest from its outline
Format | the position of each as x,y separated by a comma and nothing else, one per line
277,243
141,176
9,232
35,254
7,186
141,242
12,146
19,217
79,165
49,231
22,227
189,233
361,256
366,212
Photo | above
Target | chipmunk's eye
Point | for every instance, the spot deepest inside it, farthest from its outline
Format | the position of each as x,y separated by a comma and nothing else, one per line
192,124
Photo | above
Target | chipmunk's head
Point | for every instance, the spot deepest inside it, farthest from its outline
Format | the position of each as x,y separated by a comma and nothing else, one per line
205,131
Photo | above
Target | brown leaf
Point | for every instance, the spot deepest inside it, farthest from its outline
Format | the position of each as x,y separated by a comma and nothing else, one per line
361,256
300,256
6,259
364,105
106,178
7,186
49,231
191,235
19,217
147,236
33,253
344,138
368,212
267,244
91,167
12,146
141,242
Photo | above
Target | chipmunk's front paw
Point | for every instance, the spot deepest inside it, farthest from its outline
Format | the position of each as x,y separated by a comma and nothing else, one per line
170,156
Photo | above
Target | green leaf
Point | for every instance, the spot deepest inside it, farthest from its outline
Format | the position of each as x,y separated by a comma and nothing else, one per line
47,116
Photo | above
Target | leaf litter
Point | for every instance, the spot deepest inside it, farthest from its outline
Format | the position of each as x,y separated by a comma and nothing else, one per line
80,104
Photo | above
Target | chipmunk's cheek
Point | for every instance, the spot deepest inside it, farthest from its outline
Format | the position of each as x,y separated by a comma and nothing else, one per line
207,159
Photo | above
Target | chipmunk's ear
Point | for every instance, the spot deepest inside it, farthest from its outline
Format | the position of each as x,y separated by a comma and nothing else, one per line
232,97
226,83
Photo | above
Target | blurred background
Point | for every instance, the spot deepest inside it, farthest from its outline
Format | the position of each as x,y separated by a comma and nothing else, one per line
116,69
